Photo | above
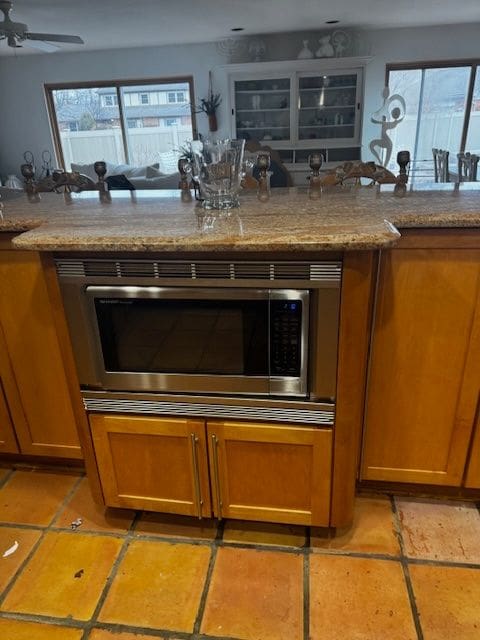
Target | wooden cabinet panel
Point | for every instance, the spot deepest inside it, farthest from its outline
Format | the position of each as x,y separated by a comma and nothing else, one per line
8,442
29,327
424,369
158,464
472,479
274,473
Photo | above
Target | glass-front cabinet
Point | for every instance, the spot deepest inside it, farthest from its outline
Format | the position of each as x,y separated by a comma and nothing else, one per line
263,109
328,107
300,107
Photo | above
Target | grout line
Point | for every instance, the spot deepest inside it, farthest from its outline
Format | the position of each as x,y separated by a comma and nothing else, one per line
43,619
6,478
406,571
19,525
66,501
112,575
206,588
306,597
443,563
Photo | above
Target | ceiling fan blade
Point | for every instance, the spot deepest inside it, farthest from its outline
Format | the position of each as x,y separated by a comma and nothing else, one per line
40,45
54,37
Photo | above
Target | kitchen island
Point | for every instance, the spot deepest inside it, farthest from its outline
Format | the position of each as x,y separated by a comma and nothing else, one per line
374,235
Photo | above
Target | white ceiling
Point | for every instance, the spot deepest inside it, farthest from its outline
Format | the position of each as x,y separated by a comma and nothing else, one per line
108,24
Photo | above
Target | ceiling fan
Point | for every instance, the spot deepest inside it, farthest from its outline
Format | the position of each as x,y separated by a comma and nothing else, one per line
17,34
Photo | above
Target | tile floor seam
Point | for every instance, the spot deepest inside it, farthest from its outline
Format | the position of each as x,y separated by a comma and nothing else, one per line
5,479
206,588
22,566
65,502
128,538
156,633
306,596
27,527
406,571
43,619
443,563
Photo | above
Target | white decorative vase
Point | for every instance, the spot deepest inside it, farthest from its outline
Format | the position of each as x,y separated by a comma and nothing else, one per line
12,182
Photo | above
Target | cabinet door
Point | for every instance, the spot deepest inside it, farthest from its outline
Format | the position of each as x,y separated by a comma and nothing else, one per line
28,322
423,382
158,464
274,473
8,443
261,108
472,479
329,107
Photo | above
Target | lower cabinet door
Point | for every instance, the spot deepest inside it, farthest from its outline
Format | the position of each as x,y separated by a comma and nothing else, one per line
157,464
472,478
274,473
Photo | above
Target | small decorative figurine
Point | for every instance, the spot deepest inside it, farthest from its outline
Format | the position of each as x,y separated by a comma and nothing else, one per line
305,52
325,50
185,170
341,42
263,165
403,160
315,160
257,50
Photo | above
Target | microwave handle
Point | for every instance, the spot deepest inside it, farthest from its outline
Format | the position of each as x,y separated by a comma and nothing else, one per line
176,293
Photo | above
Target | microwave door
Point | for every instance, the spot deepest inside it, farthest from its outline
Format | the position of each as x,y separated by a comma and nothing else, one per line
182,340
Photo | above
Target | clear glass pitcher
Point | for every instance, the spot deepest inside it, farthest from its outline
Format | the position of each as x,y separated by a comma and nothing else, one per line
217,167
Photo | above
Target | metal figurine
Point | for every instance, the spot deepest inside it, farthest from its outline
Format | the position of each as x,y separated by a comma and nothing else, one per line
28,172
100,168
184,184
389,116
315,160
263,165
403,160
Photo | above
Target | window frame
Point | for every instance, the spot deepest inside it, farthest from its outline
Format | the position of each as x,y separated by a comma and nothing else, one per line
49,88
473,63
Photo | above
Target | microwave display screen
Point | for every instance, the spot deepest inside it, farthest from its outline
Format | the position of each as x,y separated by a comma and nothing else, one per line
224,337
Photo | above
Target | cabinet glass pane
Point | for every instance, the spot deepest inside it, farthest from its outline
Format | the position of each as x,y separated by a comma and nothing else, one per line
327,106
262,109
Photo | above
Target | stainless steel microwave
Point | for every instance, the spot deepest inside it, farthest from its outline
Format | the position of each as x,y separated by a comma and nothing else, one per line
135,331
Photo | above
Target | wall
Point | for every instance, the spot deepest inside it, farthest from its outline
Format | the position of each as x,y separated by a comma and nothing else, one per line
23,117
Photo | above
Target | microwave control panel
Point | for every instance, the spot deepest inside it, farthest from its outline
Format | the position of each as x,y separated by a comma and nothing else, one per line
285,337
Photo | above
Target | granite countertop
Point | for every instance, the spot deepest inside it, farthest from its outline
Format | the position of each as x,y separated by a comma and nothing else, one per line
364,218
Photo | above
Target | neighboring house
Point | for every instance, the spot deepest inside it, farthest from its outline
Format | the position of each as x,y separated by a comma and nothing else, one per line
165,105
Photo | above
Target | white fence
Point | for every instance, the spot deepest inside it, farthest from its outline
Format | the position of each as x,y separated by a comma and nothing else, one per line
146,146
437,130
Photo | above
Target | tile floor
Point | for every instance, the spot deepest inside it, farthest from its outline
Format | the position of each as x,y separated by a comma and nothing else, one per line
408,569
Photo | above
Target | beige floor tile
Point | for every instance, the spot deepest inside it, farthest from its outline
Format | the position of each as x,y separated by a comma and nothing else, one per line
158,586
94,517
173,526
440,531
358,599
256,595
65,576
264,533
9,565
16,630
103,634
372,530
448,601
33,497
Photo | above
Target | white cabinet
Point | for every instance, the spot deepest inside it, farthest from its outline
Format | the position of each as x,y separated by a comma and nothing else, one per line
300,106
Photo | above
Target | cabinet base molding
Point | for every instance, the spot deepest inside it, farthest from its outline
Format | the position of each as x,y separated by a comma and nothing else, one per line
418,490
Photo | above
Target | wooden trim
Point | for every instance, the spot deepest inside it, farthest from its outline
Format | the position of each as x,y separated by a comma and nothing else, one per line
444,238
83,428
355,318
431,64
423,490
116,84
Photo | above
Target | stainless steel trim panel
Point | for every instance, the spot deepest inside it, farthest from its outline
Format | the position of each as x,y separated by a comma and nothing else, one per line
319,272
325,417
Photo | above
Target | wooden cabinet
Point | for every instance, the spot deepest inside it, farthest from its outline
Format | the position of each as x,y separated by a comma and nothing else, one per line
158,464
425,364
472,479
8,441
274,473
40,402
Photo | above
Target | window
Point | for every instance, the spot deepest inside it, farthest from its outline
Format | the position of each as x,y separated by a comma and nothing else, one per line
110,101
87,124
173,96
442,111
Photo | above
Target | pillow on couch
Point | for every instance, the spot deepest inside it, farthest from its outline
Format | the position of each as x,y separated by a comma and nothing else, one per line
131,171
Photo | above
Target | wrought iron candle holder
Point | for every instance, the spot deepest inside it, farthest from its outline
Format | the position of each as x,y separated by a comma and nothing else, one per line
263,165
315,161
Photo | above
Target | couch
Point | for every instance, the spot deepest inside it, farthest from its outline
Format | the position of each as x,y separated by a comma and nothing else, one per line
144,177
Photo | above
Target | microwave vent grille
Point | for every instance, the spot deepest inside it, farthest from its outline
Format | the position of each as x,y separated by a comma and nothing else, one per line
330,271
319,418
